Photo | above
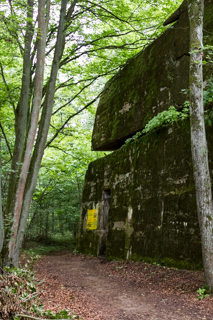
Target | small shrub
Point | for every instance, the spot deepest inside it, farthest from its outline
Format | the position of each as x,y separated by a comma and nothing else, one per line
202,293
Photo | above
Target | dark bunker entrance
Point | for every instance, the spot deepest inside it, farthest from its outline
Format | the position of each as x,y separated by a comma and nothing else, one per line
106,199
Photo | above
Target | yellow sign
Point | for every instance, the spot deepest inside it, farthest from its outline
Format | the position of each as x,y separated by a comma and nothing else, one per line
92,219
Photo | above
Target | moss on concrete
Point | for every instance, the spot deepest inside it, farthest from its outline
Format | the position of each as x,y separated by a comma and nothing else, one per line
153,209
153,177
150,83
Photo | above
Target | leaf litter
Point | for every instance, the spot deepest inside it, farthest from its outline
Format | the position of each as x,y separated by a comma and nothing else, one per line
97,289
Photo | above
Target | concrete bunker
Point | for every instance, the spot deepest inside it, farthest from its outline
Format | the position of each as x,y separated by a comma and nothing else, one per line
144,192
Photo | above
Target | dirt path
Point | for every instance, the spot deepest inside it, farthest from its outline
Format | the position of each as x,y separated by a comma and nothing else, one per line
95,289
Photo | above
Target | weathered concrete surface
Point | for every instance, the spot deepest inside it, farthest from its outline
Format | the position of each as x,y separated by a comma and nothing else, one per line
153,208
152,212
150,83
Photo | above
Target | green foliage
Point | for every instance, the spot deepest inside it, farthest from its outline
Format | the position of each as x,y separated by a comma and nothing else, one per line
208,102
208,93
39,249
208,117
164,118
32,258
208,50
202,293
62,314
55,209
18,294
48,314
100,38
168,117
17,291
172,263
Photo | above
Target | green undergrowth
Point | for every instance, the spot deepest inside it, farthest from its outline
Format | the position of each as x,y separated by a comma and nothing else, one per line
162,119
19,296
52,243
203,293
167,262
44,248
181,264
62,314
172,263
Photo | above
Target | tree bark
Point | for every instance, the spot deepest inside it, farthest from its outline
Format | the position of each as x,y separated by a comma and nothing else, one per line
43,131
21,116
33,125
1,216
22,109
198,138
46,227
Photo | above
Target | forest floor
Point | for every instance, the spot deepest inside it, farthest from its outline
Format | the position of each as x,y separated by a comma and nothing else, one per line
95,289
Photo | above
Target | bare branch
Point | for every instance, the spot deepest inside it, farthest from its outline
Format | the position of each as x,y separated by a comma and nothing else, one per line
5,181
70,117
123,46
7,87
86,86
6,140
81,12
66,84
13,34
75,96
109,12
69,154
89,43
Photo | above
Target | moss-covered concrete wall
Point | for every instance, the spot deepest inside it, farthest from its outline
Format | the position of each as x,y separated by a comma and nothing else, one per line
152,213
150,83
153,208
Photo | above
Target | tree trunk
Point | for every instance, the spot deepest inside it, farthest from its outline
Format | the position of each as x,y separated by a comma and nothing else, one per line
46,229
21,115
61,225
33,125
198,138
1,216
53,222
42,134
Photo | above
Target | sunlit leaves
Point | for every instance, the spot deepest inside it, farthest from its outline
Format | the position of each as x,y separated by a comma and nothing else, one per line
100,37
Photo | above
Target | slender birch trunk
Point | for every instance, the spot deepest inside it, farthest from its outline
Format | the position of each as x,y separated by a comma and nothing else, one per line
21,116
198,138
22,109
39,76
28,152
42,133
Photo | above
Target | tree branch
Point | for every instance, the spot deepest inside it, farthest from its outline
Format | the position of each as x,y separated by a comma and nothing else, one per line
70,12
69,154
75,96
66,84
7,87
122,47
109,12
70,117
7,142
13,34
